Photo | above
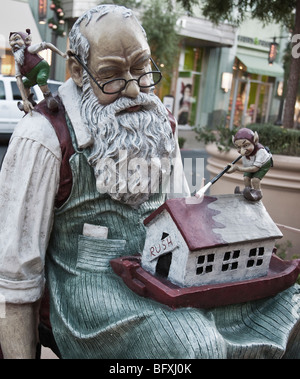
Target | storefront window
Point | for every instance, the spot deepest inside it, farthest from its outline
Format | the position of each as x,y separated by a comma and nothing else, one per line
250,98
192,59
188,84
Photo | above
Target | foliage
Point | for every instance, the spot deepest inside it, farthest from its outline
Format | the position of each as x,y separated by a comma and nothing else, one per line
159,22
279,140
280,11
186,4
221,136
57,22
181,142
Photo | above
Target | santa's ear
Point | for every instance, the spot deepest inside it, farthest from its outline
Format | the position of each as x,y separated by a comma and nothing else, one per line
75,68
255,138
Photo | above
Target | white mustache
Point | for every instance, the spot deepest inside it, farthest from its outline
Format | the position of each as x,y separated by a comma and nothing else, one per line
120,105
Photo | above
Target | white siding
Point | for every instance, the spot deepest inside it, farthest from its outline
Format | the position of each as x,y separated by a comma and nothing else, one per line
229,263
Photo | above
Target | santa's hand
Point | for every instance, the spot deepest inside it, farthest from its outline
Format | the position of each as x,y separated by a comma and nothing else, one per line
232,169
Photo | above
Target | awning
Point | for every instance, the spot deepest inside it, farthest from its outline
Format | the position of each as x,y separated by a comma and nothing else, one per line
260,65
16,16
206,32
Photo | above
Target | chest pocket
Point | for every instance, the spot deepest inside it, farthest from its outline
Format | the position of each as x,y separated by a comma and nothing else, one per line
94,254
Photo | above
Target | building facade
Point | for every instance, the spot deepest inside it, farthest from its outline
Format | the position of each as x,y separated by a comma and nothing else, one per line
225,75
206,52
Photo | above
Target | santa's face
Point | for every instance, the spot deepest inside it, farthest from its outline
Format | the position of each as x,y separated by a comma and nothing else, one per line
118,50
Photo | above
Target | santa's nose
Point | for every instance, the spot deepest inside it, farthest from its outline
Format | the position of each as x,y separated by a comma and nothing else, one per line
132,89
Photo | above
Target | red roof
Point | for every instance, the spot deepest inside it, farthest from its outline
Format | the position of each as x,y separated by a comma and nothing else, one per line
195,222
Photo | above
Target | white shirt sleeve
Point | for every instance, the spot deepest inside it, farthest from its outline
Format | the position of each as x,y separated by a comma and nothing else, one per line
261,157
29,180
35,49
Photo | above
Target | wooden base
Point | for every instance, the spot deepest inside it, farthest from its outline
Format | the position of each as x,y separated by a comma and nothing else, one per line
281,275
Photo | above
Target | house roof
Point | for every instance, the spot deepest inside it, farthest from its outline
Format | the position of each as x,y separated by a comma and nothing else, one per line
218,221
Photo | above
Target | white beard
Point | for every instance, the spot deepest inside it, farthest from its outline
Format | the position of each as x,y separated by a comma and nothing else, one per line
19,55
132,152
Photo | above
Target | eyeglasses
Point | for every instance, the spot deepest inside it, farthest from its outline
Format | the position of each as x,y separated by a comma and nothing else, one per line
111,87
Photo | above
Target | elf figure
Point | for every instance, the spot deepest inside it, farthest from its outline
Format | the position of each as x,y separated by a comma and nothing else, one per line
33,67
256,159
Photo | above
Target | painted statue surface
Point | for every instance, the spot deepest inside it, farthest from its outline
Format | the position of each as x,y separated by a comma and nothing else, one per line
72,216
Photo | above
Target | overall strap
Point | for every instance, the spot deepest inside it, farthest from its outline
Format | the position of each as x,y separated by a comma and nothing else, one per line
58,121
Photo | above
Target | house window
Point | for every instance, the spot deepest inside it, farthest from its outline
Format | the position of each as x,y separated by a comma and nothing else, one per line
230,260
205,264
256,257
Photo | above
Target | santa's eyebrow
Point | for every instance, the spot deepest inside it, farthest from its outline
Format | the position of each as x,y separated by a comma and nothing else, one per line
136,56
142,59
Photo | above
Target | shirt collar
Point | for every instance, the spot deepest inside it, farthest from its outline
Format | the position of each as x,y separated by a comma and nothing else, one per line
69,93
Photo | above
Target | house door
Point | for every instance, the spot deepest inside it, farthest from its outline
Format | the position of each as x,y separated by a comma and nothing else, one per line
163,265
250,101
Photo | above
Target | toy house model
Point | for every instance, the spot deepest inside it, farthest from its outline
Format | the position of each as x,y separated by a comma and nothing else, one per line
223,239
